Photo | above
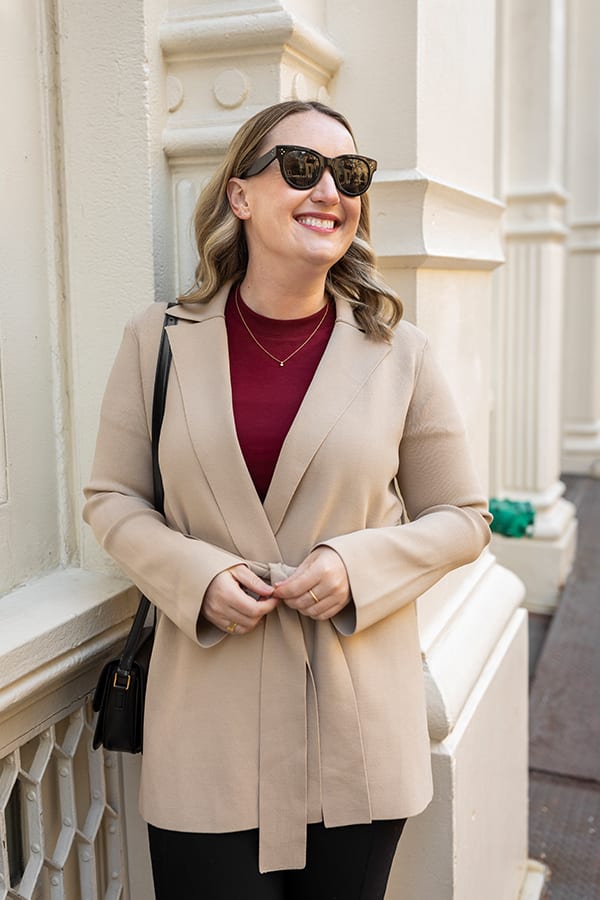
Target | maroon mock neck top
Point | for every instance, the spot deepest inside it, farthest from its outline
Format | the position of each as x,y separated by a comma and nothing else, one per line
267,395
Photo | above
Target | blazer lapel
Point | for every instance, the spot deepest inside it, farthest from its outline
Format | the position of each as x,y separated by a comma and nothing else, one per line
347,363
201,363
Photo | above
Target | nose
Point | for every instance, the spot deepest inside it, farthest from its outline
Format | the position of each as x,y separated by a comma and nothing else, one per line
325,190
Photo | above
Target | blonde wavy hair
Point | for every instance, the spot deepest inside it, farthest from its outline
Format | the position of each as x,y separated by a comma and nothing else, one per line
222,247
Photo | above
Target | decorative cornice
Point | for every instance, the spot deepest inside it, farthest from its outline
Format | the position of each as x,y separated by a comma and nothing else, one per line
584,430
548,193
250,31
536,213
577,224
539,229
231,52
197,142
419,221
584,236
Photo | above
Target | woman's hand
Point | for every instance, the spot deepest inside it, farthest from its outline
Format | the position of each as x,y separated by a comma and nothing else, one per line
227,604
319,587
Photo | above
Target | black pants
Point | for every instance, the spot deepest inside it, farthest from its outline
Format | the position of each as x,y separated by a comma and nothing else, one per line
349,863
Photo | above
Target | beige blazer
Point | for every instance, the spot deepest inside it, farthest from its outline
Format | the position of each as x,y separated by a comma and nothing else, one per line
299,721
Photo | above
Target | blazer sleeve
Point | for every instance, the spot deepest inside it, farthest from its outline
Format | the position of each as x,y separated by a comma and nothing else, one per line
171,568
447,514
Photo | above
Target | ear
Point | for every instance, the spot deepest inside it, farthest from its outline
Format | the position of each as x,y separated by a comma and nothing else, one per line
236,194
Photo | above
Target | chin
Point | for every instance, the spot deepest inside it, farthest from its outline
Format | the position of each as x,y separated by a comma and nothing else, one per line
325,256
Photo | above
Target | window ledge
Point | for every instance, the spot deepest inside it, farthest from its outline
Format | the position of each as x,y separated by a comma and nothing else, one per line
56,624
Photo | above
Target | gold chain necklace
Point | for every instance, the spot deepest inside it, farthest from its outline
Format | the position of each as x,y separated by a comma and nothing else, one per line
281,362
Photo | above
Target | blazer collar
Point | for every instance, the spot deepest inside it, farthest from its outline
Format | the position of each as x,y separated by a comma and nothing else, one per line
202,312
201,362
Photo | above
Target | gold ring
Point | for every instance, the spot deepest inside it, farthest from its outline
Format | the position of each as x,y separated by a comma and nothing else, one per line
313,595
231,627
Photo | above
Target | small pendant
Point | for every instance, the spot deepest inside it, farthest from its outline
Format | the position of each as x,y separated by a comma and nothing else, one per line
281,364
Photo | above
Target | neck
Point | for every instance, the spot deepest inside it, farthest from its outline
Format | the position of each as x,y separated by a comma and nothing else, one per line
283,298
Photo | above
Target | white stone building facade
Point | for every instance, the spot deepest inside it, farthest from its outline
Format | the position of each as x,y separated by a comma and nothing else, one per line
484,117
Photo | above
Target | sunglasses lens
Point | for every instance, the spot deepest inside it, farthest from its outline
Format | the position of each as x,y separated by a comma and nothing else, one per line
301,168
352,175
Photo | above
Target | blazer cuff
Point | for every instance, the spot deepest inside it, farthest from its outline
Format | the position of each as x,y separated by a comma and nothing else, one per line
207,634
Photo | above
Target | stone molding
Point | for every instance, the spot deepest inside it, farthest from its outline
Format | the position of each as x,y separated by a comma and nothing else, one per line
541,499
471,852
253,31
251,58
552,193
477,626
584,236
418,221
536,880
550,524
583,430
581,448
536,213
196,142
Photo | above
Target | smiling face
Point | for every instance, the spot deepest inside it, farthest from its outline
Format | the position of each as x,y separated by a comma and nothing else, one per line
288,230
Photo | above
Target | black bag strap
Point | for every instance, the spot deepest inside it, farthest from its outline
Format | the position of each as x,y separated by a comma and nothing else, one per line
161,378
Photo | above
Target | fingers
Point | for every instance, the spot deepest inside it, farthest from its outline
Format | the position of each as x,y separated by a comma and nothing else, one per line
251,582
237,599
319,587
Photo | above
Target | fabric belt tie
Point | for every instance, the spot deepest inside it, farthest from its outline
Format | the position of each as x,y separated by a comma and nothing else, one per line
283,781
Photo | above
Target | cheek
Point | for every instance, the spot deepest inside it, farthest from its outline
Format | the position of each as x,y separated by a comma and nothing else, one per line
353,213
352,220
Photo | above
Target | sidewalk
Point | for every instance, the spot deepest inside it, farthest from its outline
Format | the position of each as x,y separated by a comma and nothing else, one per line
564,802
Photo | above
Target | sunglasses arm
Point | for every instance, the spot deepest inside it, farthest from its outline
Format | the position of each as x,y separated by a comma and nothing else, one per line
261,163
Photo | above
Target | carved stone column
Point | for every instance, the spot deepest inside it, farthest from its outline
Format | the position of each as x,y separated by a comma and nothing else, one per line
222,68
528,311
581,442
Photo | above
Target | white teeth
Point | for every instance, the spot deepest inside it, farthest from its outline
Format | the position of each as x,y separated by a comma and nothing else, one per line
317,223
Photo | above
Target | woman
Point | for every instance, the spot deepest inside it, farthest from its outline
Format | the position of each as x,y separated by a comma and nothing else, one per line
317,481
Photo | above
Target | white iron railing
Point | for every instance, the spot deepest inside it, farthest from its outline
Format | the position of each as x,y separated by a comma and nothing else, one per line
61,817
63,806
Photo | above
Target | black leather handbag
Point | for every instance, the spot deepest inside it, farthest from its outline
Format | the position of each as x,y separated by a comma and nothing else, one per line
121,689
